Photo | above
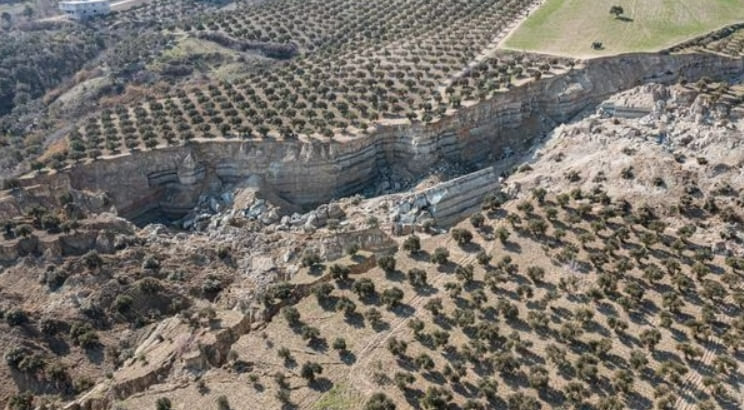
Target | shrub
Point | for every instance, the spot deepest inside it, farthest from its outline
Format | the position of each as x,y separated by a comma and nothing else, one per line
538,377
92,260
379,401
24,230
397,347
14,356
352,249
536,273
122,303
309,370
310,259
373,316
412,244
16,317
292,315
462,236
424,361
477,220
434,305
339,273
83,335
417,278
163,403
339,344
223,403
436,398
151,263
440,256
503,234
322,291
311,334
483,258
386,263
21,401
346,305
391,297
464,273
364,287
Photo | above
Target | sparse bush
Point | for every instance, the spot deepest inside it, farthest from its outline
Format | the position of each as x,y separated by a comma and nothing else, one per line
310,370
163,403
391,297
310,259
440,256
339,273
417,278
339,344
477,220
412,244
379,401
364,287
291,315
223,403
462,236
16,317
386,263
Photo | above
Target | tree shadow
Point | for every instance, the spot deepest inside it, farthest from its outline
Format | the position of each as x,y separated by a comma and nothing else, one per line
403,310
321,384
395,276
328,303
421,256
624,19
471,247
434,377
380,326
348,357
552,396
512,247
355,320
58,346
413,397
319,345
290,363
95,353
427,290
316,270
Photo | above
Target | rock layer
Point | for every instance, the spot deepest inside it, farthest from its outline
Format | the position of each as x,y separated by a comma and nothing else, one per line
308,173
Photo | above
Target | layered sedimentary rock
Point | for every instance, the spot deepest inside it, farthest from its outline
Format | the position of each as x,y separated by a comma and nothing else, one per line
309,173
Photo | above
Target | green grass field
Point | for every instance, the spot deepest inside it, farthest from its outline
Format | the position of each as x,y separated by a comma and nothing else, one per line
569,27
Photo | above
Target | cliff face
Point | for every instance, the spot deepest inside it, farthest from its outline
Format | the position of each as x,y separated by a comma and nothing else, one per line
308,173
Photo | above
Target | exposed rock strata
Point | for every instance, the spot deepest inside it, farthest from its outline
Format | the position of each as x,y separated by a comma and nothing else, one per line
309,173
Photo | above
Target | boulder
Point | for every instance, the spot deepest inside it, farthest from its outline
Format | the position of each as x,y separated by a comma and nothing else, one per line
404,208
269,217
214,206
335,211
420,202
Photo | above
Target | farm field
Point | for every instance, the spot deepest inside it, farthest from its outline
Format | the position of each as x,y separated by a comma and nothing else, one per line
569,27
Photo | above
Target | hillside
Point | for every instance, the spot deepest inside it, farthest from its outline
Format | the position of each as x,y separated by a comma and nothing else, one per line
305,204
584,282
570,27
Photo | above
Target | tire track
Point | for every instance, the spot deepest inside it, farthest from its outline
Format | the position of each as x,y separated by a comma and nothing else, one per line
694,380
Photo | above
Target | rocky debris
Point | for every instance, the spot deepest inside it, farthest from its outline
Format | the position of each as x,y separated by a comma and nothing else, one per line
444,203
171,347
411,213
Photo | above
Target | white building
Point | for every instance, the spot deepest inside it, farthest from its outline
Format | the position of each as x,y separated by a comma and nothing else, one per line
84,9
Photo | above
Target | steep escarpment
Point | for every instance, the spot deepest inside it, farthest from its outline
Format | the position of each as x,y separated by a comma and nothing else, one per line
306,173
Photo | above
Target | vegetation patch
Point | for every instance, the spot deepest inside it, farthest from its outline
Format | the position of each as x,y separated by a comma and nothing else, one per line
599,27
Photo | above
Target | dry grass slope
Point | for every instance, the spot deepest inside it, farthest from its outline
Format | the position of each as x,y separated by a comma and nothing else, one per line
569,27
